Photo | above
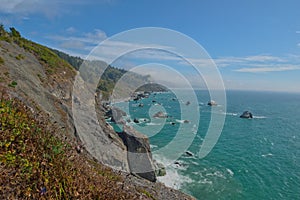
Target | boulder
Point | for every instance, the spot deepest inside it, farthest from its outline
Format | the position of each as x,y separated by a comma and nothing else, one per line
247,115
138,153
160,169
135,120
212,103
160,114
188,153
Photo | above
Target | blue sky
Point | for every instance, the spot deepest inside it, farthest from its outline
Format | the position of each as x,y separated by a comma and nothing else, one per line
255,44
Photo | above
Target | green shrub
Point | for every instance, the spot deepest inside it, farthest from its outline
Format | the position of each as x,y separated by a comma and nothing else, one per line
20,57
1,61
13,84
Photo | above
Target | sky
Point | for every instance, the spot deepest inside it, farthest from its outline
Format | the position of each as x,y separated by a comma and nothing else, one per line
255,44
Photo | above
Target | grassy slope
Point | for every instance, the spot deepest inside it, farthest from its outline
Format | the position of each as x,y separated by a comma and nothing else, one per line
34,163
32,159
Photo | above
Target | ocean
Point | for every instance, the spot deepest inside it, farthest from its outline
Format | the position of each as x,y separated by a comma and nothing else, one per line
255,158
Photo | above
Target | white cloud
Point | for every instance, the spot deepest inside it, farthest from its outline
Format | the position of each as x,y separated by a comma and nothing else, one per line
71,30
258,59
269,69
21,8
50,9
84,41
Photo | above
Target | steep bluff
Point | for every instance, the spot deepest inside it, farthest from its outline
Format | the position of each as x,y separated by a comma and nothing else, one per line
44,83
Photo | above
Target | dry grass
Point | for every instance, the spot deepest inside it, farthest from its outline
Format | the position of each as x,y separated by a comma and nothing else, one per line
34,164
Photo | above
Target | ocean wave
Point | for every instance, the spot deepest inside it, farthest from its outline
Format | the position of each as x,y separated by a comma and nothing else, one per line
231,114
259,117
174,179
230,171
153,124
153,146
267,155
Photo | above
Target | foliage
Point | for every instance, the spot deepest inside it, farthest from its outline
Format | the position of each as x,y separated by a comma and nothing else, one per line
1,61
52,62
20,57
35,164
14,32
72,60
13,84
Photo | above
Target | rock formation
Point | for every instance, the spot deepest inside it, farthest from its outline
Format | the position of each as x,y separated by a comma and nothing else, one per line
160,114
247,115
138,153
212,103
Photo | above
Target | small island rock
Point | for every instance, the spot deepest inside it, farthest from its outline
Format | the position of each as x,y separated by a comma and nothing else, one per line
212,103
160,114
247,115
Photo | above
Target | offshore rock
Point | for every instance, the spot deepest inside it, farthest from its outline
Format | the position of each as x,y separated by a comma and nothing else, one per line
247,115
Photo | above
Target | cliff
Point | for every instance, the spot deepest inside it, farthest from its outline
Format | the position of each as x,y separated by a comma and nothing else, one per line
39,85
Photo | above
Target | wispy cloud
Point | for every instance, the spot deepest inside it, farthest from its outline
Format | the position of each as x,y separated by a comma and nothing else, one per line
255,59
260,63
269,69
84,41
21,8
298,32
24,8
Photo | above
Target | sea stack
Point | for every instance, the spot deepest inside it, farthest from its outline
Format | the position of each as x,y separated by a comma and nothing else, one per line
247,115
212,103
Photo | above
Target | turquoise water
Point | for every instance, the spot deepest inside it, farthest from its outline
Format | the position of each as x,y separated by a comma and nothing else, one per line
253,159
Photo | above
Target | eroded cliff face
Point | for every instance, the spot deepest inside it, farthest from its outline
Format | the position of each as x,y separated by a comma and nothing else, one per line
72,109
51,92
97,136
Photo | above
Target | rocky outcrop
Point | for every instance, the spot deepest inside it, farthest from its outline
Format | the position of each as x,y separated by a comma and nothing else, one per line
247,115
138,153
160,114
116,115
159,168
212,103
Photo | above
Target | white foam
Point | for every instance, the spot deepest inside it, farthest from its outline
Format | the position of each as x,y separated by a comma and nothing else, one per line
259,117
153,124
173,179
230,172
205,181
143,119
232,114
180,121
267,155
153,146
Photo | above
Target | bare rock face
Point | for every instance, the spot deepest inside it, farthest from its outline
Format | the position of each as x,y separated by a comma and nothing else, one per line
100,141
51,92
138,153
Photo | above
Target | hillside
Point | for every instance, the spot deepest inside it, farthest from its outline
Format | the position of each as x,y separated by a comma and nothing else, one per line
43,155
110,77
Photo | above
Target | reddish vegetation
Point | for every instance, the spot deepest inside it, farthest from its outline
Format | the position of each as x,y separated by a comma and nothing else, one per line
36,164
